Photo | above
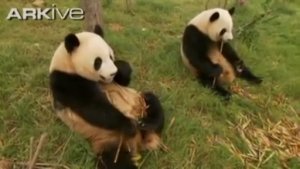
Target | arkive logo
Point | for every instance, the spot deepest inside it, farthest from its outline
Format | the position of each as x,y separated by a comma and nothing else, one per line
52,13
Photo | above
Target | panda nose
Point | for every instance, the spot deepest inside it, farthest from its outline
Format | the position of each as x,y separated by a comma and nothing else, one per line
113,74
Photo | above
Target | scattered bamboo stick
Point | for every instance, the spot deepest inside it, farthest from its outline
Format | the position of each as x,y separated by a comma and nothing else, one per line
64,149
31,148
118,150
31,163
164,148
171,123
39,147
281,138
42,165
144,159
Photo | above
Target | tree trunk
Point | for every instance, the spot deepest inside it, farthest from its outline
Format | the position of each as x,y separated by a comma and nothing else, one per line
93,14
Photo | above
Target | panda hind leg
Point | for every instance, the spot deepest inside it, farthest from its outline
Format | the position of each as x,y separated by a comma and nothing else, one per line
244,73
240,68
211,82
154,120
107,157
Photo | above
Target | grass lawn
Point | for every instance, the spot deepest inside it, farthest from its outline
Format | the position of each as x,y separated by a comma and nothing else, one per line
150,40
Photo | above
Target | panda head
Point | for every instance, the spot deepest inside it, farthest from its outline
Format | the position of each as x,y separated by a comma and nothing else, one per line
216,23
86,54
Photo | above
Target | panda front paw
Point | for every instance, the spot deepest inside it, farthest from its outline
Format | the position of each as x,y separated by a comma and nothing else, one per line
129,129
124,72
225,94
216,71
143,125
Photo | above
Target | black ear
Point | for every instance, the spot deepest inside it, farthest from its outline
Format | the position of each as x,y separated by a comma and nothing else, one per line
98,30
231,10
214,16
71,42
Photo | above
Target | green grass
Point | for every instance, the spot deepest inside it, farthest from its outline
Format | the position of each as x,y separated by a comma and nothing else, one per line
150,41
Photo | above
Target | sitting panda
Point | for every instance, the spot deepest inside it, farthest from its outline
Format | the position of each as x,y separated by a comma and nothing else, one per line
206,52
90,95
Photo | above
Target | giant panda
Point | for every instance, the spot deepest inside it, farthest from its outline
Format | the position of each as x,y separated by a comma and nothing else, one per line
91,95
206,52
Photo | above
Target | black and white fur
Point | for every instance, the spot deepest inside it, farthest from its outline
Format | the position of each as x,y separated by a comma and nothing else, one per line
201,51
79,65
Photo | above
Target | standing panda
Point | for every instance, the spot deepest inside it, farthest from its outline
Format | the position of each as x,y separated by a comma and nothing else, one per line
90,94
206,52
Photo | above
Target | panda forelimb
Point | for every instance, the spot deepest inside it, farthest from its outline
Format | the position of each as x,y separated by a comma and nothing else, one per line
196,45
155,115
85,98
209,82
124,72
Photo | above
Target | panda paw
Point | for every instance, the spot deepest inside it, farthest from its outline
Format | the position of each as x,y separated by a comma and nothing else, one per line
257,80
216,71
124,72
141,124
246,74
129,129
253,79
227,97
144,125
225,94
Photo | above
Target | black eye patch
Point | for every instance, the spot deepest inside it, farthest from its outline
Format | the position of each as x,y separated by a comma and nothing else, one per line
110,56
97,63
222,31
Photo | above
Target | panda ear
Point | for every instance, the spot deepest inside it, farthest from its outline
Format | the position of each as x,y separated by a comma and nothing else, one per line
98,30
231,10
71,42
214,16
